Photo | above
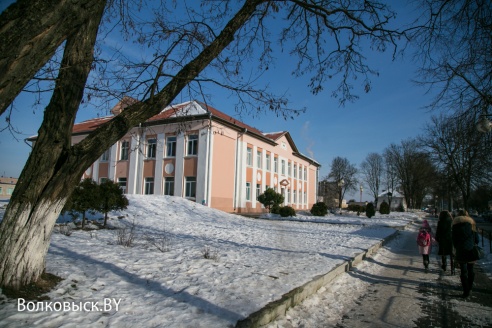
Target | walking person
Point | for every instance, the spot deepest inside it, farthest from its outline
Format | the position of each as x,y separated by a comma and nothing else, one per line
445,240
465,237
424,240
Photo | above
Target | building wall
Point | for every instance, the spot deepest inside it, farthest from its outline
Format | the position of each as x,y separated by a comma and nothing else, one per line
220,166
7,186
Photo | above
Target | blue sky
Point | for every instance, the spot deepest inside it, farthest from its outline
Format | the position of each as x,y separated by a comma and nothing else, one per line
392,111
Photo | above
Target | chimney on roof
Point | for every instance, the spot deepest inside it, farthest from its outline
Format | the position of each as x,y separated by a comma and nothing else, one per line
122,104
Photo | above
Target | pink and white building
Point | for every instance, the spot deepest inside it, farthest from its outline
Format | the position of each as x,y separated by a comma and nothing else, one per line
194,151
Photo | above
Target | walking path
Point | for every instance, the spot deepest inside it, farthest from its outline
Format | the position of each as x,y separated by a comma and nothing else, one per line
392,289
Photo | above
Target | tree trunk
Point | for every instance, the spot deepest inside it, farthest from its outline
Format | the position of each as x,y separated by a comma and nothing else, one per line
30,33
52,170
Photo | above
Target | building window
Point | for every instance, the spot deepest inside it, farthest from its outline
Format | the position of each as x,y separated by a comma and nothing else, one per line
300,172
295,170
268,162
149,186
125,145
192,145
10,191
169,186
275,164
1,191
190,187
258,190
122,184
283,167
294,196
305,174
288,196
105,156
249,156
305,198
248,191
103,180
171,147
258,159
151,147
288,169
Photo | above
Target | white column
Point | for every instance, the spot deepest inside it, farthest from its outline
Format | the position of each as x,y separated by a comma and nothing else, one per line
242,175
134,163
95,171
202,178
180,153
159,162
112,162
255,177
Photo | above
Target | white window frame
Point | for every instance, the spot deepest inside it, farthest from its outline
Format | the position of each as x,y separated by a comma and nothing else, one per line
169,186
289,167
248,190
258,190
192,145
190,187
268,164
259,159
282,166
149,186
105,156
121,185
171,146
124,150
295,171
249,156
151,147
275,164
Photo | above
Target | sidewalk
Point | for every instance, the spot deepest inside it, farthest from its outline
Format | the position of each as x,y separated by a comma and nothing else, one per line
391,289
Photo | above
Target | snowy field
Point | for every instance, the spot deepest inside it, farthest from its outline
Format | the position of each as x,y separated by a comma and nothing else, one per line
165,280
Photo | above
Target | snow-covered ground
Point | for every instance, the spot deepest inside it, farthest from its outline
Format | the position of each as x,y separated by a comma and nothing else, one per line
165,280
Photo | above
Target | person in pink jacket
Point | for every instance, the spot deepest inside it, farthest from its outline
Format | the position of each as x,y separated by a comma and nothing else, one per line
424,241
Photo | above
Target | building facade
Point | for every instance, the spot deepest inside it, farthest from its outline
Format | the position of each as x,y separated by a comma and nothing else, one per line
7,186
194,151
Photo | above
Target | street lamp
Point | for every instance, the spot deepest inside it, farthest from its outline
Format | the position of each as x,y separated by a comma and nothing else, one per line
483,124
340,183
361,190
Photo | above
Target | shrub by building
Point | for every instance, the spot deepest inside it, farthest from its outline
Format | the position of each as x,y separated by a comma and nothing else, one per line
384,208
319,209
370,211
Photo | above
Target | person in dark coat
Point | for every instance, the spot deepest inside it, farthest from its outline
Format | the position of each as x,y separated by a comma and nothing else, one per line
465,237
444,238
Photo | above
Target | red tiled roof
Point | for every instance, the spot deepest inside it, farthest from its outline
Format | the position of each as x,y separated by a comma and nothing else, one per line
90,125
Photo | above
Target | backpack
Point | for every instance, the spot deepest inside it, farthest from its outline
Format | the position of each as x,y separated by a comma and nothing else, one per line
423,239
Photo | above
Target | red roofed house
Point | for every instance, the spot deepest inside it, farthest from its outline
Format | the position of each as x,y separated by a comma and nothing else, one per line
195,151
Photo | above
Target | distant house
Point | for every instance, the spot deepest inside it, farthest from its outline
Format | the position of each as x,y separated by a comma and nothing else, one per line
195,151
397,199
7,186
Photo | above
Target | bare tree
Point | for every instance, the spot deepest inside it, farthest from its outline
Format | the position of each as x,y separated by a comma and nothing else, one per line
413,169
372,169
455,44
459,149
201,47
344,175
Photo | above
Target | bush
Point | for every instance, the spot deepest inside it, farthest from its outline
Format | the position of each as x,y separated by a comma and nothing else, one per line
275,209
384,208
319,209
370,211
270,198
287,211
